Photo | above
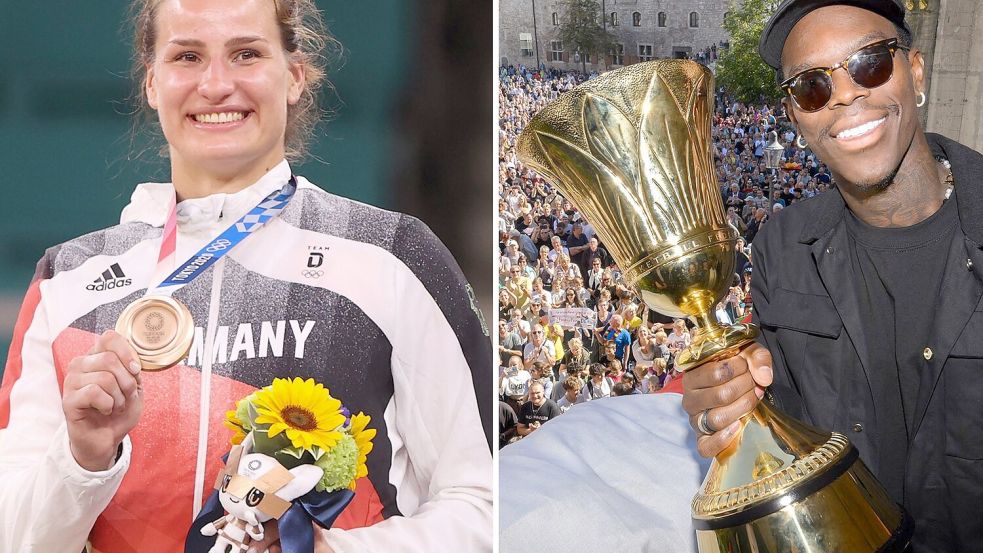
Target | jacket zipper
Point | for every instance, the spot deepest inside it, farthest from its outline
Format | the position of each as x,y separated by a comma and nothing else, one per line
206,385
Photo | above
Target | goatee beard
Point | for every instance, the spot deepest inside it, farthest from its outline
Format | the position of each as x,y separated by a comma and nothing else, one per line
869,188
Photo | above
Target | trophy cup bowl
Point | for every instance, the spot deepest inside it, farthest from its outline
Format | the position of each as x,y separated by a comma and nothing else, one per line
632,149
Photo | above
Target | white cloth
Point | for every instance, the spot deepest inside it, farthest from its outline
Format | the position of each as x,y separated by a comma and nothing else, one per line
622,474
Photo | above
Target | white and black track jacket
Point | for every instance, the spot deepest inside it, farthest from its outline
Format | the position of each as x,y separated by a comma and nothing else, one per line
366,301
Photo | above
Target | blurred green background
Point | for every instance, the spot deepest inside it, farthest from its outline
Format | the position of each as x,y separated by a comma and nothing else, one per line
64,132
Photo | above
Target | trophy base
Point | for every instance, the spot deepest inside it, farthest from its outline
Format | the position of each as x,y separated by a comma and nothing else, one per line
784,486
848,515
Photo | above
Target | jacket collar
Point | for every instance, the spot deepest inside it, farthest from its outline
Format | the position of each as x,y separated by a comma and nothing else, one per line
151,201
967,172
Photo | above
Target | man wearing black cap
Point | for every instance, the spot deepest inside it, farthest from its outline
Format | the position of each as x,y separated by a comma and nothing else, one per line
868,296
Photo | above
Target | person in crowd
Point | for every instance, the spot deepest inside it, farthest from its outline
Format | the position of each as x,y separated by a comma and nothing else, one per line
644,352
538,348
509,343
564,267
577,246
519,325
514,385
679,338
571,393
508,423
505,304
537,411
615,370
755,225
619,336
597,386
525,270
594,276
661,340
557,249
540,295
542,374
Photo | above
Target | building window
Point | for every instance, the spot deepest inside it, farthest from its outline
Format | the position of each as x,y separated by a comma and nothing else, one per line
614,19
662,19
694,19
556,19
645,52
556,50
617,53
525,44
577,55
636,19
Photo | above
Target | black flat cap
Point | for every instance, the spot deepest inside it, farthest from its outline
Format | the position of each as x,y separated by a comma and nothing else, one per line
791,11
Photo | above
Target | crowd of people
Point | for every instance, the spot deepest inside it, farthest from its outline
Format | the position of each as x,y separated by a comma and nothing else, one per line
570,329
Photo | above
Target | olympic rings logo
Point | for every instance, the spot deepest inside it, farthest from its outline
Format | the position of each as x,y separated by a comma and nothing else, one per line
312,274
218,245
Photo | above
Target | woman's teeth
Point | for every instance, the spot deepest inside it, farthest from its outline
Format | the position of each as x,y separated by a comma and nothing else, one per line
229,117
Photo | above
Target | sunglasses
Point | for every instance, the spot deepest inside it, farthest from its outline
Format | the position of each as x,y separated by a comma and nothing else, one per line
869,67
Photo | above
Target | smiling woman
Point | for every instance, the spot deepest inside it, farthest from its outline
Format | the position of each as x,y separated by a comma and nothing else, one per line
231,275
224,80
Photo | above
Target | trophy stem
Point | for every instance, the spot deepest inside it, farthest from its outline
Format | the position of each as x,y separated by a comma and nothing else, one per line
714,341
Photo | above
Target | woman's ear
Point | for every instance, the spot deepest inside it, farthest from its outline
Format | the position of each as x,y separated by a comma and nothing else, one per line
150,86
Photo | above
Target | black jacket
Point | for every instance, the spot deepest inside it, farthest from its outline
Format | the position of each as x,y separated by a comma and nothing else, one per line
806,302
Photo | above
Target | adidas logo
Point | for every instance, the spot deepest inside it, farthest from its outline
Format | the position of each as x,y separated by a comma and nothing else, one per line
112,277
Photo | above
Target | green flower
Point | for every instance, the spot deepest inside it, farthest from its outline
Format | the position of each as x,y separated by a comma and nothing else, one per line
246,412
339,464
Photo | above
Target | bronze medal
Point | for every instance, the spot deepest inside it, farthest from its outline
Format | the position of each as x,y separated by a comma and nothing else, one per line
159,328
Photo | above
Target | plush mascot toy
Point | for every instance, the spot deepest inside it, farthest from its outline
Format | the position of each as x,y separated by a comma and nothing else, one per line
253,489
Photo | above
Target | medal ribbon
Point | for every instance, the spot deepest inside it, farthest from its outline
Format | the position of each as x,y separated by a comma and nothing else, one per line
211,252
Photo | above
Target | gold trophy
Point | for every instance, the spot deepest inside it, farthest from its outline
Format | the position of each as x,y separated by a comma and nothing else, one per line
632,149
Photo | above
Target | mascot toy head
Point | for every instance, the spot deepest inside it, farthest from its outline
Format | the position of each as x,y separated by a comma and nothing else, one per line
256,488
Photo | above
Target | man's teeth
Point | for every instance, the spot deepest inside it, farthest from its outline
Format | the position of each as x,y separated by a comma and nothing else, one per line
862,129
228,117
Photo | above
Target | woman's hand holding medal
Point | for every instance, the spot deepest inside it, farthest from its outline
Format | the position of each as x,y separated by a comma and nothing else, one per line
102,400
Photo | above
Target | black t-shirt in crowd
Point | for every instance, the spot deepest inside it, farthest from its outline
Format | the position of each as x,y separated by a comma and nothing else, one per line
547,411
578,258
506,423
900,272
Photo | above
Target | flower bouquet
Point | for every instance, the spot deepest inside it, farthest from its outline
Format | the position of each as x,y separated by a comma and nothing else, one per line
297,453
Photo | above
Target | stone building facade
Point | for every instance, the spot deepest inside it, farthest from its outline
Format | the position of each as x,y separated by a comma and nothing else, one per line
643,29
951,34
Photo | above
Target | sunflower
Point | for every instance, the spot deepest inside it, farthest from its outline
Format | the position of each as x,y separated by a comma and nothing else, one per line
232,421
363,438
303,409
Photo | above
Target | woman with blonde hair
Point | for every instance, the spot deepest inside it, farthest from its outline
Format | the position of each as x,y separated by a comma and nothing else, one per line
565,267
251,262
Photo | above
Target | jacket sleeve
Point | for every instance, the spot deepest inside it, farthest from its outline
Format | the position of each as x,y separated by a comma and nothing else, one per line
442,375
783,390
47,501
